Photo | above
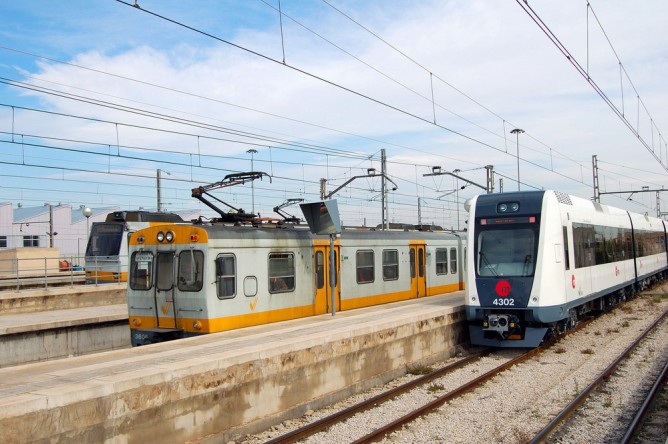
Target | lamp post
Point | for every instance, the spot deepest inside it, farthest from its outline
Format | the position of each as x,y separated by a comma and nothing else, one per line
252,152
517,132
87,212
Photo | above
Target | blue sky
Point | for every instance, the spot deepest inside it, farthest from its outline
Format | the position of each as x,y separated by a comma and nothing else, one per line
344,93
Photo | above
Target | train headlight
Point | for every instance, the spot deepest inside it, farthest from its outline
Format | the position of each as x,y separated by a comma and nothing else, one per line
197,325
169,236
161,236
136,322
508,207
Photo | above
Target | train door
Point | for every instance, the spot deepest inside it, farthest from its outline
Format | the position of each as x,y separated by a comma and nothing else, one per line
164,289
418,273
323,295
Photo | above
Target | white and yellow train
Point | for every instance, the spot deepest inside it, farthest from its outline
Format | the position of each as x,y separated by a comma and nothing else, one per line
192,279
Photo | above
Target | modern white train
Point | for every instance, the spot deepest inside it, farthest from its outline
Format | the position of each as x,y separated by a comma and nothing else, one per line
540,260
193,279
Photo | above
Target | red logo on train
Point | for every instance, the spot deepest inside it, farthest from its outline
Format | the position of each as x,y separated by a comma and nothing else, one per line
503,288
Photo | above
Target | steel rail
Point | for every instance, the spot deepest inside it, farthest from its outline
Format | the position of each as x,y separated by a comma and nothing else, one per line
381,432
324,423
328,421
409,417
646,406
605,374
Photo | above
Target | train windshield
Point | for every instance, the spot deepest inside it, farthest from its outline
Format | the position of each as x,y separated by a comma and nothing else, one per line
507,252
105,239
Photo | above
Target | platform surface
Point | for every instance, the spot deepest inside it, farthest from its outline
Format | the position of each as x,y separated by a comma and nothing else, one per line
37,386
52,319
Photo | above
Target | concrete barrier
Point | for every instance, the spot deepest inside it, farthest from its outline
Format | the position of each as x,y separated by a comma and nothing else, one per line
61,298
95,336
220,387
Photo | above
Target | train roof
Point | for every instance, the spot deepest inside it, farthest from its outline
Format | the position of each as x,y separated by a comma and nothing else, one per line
222,231
142,216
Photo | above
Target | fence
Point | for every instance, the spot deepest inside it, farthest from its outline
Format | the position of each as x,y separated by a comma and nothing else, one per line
19,273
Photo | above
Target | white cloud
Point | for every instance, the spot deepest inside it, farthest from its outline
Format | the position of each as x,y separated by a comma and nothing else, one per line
491,51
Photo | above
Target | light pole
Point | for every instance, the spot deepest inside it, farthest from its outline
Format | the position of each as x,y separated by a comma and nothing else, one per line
517,132
252,153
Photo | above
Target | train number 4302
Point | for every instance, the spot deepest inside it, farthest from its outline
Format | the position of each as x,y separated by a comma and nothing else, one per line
499,301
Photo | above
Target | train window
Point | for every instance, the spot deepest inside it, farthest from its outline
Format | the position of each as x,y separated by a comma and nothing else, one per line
420,262
506,252
250,286
191,269
226,276
412,261
320,269
141,268
105,239
390,265
364,263
453,260
281,272
164,279
441,261
597,244
566,257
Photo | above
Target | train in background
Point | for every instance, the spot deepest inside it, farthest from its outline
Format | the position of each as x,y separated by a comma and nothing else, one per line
107,249
541,260
193,279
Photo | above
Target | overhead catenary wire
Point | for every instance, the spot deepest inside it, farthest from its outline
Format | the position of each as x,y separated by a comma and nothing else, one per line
586,75
233,105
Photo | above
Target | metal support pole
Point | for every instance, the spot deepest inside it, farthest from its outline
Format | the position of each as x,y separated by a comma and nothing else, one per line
383,192
594,165
50,225
332,272
158,191
323,188
517,132
490,178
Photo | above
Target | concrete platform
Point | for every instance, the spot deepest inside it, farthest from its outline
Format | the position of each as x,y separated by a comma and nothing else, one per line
60,298
35,326
40,336
219,387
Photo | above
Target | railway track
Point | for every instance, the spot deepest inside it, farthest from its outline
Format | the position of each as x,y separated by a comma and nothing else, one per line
555,372
380,432
644,424
561,419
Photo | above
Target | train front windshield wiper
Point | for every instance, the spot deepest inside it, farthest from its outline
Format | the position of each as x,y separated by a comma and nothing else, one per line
487,264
